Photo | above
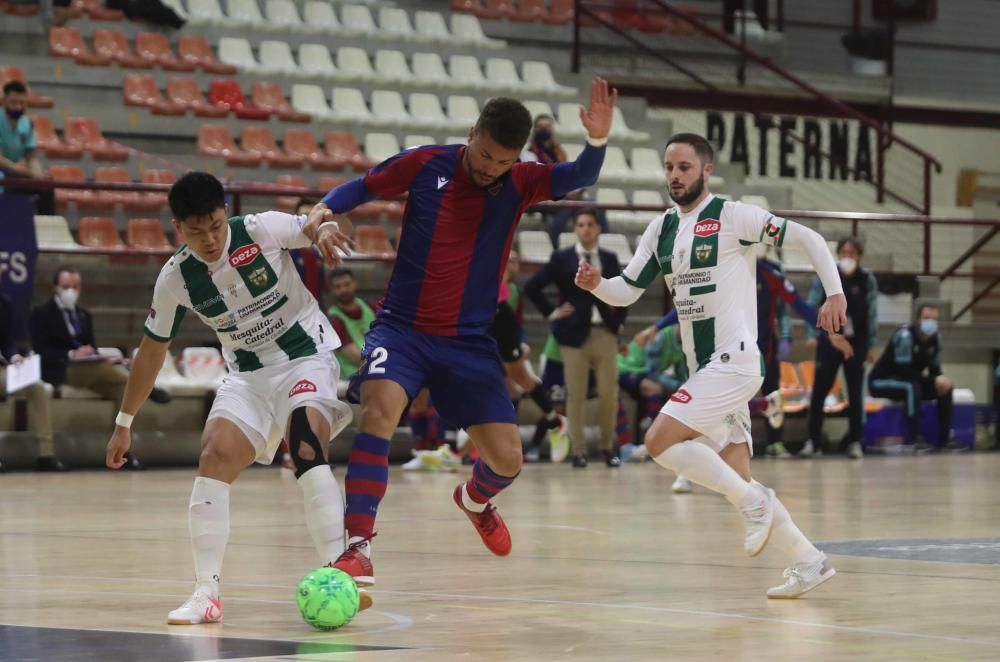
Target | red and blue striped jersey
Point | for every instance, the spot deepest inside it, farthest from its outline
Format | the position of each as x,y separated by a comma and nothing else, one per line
456,236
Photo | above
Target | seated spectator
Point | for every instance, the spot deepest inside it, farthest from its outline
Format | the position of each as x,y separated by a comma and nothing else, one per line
652,373
544,148
18,153
63,334
909,370
37,395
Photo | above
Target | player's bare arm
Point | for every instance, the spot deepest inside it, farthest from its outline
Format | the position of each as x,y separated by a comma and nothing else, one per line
141,379
329,232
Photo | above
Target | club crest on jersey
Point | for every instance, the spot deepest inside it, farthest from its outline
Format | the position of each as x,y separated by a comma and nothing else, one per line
259,277
772,229
244,255
702,252
302,386
707,228
681,396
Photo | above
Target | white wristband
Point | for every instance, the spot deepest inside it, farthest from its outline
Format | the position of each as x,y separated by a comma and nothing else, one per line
597,142
124,420
323,225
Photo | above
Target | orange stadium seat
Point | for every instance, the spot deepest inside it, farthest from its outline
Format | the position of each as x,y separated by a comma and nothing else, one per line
141,90
68,42
467,6
96,10
229,94
270,97
197,51
327,184
260,141
117,175
530,11
112,44
496,9
343,146
372,239
561,12
287,202
154,47
50,143
83,131
155,199
146,234
216,140
65,196
301,144
34,100
186,92
100,232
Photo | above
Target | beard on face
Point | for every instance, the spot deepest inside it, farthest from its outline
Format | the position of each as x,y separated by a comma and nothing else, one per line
690,195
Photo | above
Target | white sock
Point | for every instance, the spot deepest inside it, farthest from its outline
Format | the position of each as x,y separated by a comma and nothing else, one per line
324,508
208,518
700,464
786,537
469,503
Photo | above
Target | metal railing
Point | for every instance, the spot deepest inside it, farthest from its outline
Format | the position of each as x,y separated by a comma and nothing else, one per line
886,139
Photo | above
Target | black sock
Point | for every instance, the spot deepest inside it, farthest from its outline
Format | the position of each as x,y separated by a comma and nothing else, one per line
541,397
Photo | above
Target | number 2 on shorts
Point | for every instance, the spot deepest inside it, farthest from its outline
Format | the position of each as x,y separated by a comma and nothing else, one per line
379,356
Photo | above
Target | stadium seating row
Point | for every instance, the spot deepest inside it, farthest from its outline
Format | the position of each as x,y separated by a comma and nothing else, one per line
224,97
151,49
80,134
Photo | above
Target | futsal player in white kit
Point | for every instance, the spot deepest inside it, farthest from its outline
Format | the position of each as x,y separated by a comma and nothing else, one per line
237,276
704,249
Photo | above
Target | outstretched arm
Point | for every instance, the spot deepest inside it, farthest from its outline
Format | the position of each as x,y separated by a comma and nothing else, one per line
141,379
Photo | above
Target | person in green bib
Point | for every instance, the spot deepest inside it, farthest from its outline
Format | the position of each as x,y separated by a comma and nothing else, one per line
350,317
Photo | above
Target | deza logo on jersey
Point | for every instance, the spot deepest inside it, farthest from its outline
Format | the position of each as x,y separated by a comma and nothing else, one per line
681,396
244,255
302,386
707,228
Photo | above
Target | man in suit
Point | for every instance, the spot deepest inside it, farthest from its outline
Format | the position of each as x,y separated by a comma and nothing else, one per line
63,334
587,332
37,395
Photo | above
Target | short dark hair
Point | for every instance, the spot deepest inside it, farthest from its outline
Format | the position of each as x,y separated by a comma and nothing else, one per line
340,272
195,194
305,201
853,241
921,307
702,147
63,269
506,121
586,211
14,87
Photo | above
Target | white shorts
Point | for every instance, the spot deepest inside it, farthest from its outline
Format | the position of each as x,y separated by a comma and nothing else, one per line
714,401
260,402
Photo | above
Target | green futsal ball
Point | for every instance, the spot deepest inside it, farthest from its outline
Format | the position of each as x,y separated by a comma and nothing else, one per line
327,598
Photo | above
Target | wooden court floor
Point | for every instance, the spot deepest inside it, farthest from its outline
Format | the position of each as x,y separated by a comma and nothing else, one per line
607,565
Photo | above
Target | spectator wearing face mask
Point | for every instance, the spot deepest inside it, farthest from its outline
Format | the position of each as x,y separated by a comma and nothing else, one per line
544,148
18,150
909,371
861,333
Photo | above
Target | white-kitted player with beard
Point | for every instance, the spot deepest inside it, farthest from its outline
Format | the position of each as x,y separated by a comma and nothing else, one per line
237,276
705,250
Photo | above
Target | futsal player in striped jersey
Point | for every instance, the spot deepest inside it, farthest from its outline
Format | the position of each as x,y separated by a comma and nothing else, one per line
461,214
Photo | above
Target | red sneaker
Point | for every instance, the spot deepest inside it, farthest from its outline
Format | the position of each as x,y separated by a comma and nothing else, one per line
356,562
488,524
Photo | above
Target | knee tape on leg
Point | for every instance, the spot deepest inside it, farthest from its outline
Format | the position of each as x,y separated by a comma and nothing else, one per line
300,433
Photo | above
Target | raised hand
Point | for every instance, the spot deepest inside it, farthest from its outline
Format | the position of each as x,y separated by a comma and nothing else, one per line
587,276
596,117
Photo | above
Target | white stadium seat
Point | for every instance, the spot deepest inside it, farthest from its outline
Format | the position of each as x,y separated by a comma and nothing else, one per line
465,28
283,15
348,104
391,68
425,109
357,20
430,26
244,12
534,246
206,12
647,166
237,52
319,16
568,121
310,99
388,109
428,68
52,233
465,72
614,196
615,166
617,244
538,76
502,74
353,63
315,60
536,108
380,146
463,111
276,58
620,129
394,22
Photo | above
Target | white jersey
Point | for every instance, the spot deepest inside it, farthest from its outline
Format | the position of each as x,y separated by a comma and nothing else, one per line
252,297
707,259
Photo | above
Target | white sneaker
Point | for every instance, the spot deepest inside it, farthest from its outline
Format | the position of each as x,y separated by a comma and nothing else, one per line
415,464
201,607
775,409
559,442
854,450
802,578
809,450
681,486
758,521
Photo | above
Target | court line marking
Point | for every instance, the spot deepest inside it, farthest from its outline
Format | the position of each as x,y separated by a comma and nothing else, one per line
541,601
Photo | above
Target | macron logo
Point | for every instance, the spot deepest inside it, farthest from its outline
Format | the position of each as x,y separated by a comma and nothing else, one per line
442,182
